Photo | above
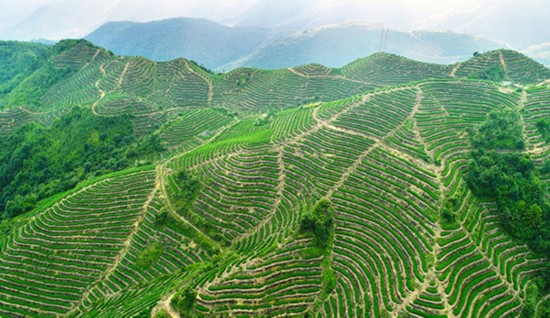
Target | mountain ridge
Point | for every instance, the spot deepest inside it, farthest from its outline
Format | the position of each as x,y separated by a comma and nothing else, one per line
242,81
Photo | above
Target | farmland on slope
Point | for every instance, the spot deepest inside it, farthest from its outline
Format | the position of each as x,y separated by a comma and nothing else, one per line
213,226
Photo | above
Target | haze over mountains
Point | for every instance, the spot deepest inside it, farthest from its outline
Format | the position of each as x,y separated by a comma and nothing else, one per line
520,24
223,48
292,32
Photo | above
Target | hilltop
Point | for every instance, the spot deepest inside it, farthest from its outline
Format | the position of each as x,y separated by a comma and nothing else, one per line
139,188
85,71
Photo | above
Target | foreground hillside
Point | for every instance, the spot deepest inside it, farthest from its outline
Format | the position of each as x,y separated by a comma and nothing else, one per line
307,191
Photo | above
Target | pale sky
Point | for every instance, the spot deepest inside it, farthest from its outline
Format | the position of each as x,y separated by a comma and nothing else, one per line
56,19
144,10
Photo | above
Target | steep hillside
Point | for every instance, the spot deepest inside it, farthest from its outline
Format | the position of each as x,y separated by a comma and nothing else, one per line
307,191
503,65
18,59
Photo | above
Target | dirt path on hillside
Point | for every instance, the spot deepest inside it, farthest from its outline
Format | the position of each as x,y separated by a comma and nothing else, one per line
207,80
543,299
164,304
135,226
163,175
23,109
279,196
340,77
101,92
121,78
455,69
503,63
432,273
125,247
91,60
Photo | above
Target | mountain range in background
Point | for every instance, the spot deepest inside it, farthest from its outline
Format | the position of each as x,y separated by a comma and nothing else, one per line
285,25
211,44
222,48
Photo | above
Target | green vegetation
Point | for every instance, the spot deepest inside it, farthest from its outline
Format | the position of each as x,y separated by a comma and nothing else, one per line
495,74
38,162
502,130
162,314
320,222
18,59
35,86
543,125
329,278
33,75
447,215
510,178
150,255
185,190
184,301
395,199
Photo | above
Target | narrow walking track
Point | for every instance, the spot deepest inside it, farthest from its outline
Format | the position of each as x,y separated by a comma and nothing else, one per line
101,92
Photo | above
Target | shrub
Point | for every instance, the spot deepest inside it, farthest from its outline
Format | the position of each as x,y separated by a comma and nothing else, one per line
320,222
188,190
162,314
184,301
149,255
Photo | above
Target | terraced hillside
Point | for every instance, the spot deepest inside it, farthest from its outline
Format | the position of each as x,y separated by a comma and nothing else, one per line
76,73
215,226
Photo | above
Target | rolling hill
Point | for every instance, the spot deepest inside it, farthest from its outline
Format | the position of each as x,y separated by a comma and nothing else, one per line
305,191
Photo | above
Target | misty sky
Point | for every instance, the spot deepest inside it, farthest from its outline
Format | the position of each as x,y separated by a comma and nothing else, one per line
200,8
408,13
520,23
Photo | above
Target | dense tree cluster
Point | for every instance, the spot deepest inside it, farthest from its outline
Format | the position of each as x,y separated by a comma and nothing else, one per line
18,59
184,301
188,188
495,74
500,172
33,72
501,131
320,222
543,125
37,162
